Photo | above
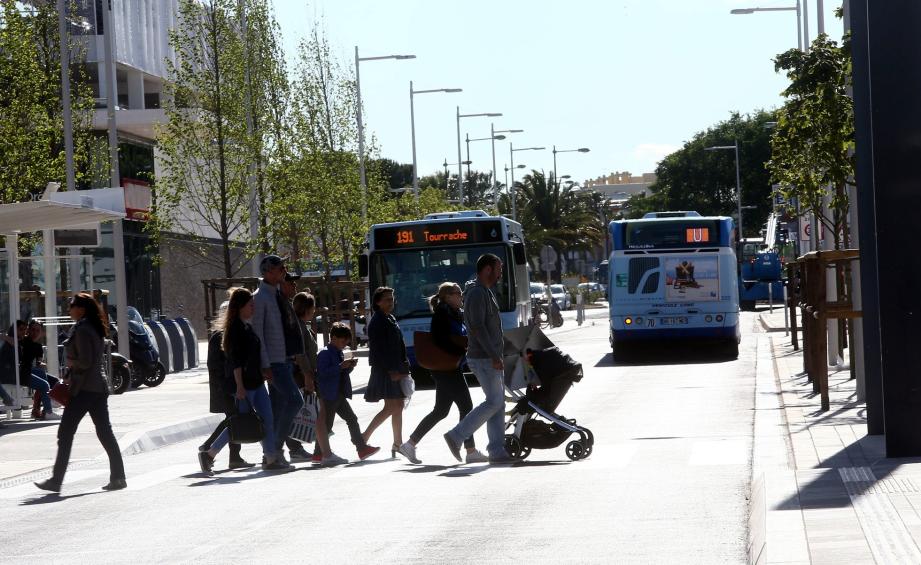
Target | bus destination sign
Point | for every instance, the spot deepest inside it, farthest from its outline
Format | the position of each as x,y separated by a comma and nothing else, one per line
437,235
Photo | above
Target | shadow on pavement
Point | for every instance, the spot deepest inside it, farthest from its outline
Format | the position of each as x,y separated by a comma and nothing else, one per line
425,468
7,427
667,353
53,497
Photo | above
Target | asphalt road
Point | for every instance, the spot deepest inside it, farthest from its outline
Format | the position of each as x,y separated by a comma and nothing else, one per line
666,483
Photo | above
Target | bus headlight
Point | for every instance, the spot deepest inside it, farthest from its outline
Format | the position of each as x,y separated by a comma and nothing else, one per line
639,321
628,321
719,317
708,318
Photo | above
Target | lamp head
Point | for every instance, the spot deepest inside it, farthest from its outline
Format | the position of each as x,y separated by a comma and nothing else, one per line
739,11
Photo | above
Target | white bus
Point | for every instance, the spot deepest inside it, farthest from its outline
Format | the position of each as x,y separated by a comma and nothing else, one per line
673,275
415,257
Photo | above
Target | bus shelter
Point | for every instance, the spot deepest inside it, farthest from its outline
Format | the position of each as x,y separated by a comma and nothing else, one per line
55,210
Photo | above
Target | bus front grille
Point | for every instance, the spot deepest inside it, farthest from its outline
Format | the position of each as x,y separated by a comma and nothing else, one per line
638,268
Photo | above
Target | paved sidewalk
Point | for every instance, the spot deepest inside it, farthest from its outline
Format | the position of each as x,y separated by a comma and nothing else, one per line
143,419
823,490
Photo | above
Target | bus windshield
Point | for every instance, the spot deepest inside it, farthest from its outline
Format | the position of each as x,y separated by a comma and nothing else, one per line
671,234
415,275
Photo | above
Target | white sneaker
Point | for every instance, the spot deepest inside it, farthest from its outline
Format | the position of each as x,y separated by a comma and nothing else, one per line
52,416
476,456
332,460
408,450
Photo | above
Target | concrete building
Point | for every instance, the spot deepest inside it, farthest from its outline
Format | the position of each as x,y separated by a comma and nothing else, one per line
140,31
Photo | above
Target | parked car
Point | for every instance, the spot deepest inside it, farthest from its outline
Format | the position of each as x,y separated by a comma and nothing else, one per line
561,295
538,291
591,287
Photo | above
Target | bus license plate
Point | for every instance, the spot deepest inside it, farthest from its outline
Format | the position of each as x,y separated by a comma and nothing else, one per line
674,321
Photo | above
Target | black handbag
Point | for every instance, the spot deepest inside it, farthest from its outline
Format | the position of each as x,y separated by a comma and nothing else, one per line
246,427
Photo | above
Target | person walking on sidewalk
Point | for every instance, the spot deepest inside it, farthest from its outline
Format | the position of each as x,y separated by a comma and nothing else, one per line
335,387
89,392
222,388
485,358
295,348
243,351
269,323
449,334
389,365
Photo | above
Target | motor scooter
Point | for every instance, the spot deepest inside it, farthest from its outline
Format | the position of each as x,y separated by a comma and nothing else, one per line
145,365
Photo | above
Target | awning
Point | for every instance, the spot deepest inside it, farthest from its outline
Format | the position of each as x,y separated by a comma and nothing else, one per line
25,217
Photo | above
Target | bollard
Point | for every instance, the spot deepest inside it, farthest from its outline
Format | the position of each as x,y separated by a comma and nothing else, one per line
580,309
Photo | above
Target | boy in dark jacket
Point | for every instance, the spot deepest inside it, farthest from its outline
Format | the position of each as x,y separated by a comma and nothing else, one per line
334,387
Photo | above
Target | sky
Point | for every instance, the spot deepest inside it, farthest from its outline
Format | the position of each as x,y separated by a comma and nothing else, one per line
632,80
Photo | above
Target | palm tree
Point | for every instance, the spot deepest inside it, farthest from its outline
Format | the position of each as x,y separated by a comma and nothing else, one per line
558,216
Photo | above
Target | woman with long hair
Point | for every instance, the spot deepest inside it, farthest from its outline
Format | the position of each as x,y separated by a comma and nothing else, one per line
389,365
222,387
89,392
449,334
242,350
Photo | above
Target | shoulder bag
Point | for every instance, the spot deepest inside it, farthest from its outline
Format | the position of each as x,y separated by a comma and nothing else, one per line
246,427
432,357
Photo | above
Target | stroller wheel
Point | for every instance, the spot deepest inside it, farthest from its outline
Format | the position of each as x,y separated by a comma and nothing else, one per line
587,450
575,450
515,448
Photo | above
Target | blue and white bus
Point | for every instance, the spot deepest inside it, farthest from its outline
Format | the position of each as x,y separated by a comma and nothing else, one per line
415,257
673,275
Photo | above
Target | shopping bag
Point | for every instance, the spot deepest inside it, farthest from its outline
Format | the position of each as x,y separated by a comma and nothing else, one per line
303,428
60,393
246,427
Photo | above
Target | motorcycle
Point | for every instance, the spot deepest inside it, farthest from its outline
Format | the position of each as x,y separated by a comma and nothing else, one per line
120,377
145,365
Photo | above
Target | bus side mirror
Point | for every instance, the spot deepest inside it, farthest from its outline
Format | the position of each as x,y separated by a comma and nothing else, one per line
362,265
518,253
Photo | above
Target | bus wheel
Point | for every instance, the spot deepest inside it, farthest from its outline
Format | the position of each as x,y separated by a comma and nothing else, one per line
732,349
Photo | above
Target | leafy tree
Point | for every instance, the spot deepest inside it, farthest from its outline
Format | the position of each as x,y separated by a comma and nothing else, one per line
705,181
205,145
31,113
812,147
551,214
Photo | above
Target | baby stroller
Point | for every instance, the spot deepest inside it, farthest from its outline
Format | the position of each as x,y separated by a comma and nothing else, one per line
545,374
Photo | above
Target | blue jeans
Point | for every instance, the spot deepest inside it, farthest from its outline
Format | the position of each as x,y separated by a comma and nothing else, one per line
39,381
259,399
491,411
286,400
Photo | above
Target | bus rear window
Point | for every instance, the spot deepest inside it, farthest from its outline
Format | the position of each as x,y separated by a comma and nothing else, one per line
671,234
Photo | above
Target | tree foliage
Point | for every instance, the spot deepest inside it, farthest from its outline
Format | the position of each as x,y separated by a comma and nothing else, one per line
205,146
705,181
31,110
812,147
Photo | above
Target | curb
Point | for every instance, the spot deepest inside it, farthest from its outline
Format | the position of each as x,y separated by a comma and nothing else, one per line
770,329
776,529
133,443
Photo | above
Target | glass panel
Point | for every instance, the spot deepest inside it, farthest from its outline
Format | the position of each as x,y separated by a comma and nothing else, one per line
672,234
415,275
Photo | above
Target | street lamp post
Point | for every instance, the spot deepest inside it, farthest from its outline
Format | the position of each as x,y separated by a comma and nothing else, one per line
734,147
799,19
555,151
495,185
361,128
446,164
412,123
492,139
512,191
460,171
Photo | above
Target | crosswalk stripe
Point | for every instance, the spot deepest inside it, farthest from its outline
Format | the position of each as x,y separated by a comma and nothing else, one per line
153,478
720,452
28,489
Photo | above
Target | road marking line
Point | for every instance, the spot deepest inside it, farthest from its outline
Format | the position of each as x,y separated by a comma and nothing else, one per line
720,452
147,480
27,489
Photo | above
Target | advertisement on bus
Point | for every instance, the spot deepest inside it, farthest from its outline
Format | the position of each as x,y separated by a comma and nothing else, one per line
692,278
